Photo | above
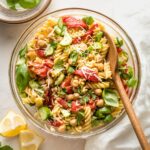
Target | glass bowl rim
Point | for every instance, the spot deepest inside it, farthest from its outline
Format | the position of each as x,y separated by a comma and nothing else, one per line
83,135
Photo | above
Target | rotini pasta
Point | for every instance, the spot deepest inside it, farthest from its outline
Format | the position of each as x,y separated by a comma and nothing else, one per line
63,71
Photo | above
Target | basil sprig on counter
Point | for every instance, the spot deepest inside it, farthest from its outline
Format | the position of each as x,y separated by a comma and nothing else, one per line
26,4
22,73
5,147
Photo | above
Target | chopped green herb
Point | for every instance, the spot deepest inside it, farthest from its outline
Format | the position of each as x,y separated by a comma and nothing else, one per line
88,20
118,42
70,69
84,99
80,117
73,57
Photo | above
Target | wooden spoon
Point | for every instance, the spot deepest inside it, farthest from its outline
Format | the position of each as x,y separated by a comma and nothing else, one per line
112,58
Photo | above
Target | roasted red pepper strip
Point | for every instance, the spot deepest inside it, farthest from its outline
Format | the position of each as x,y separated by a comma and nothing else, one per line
66,84
75,106
41,53
89,32
63,103
92,104
72,22
49,63
88,74
56,123
119,49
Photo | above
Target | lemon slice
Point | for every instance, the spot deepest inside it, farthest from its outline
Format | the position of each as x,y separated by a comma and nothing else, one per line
12,124
29,140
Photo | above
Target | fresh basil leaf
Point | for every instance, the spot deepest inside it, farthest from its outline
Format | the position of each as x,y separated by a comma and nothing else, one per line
22,77
80,117
5,147
28,4
95,122
12,3
132,82
59,65
108,118
74,57
23,51
118,42
88,20
111,97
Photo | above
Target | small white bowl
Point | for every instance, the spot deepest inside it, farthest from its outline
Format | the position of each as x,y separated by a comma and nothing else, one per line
12,16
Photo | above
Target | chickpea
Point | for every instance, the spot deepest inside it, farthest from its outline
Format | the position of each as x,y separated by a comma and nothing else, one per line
62,128
73,122
90,56
70,61
98,92
31,54
100,67
76,77
75,83
100,103
70,97
42,43
76,95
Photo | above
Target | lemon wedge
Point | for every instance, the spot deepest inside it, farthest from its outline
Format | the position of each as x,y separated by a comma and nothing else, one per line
29,140
12,124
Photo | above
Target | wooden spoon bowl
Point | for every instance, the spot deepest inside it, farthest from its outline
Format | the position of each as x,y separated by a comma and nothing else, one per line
113,59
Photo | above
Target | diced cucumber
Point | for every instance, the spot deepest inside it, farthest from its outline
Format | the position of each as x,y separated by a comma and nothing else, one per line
60,79
57,30
97,45
45,113
33,84
60,23
67,40
49,50
65,113
70,69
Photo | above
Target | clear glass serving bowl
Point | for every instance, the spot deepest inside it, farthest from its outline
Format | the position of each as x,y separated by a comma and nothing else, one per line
112,27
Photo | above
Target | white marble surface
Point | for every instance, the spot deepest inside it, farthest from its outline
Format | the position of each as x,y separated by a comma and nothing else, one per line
133,15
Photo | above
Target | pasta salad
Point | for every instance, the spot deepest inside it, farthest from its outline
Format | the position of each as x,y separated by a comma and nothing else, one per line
63,72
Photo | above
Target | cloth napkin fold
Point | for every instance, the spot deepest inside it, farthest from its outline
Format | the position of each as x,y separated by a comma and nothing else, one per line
134,16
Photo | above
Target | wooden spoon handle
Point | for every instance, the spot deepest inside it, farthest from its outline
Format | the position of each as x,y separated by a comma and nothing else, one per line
131,114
